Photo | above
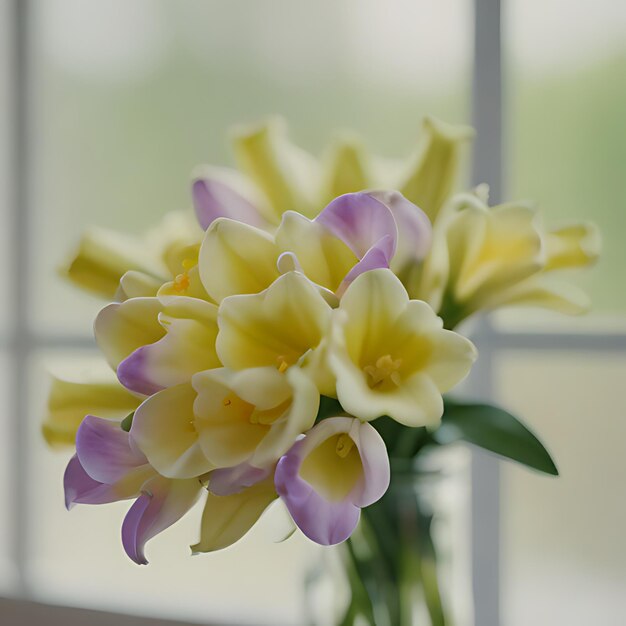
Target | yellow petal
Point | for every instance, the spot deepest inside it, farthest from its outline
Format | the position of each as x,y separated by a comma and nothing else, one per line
490,250
70,401
372,303
236,258
226,519
275,327
104,256
540,292
577,245
163,428
287,175
347,168
134,284
227,434
324,258
122,328
433,173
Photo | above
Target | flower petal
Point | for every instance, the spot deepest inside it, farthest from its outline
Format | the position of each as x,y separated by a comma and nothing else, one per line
69,401
134,284
220,192
347,166
414,229
273,327
576,245
318,253
122,328
187,347
236,258
104,256
104,450
288,176
80,488
162,503
226,519
163,430
230,480
433,174
328,513
360,221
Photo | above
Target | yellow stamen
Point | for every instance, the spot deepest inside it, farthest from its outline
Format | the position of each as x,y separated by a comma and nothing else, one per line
385,368
227,401
181,283
344,445
282,364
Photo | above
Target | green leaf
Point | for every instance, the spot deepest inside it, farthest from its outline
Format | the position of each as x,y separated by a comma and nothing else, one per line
127,422
329,407
496,430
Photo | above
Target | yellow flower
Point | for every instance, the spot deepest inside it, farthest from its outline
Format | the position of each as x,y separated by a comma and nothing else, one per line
282,326
391,356
254,415
104,257
69,401
483,258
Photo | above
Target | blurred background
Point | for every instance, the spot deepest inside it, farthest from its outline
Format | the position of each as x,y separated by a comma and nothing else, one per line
124,97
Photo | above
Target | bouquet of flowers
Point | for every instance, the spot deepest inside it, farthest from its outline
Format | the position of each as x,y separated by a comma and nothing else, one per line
295,343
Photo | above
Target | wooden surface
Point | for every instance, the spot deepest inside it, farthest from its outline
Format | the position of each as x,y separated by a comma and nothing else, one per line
17,613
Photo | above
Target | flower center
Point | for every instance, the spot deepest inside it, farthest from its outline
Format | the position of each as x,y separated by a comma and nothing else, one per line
385,369
344,445
181,282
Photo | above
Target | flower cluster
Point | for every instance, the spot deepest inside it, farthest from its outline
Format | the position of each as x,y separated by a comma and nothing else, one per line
227,340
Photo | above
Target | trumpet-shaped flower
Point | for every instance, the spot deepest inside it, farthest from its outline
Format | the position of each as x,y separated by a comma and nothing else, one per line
104,257
70,400
253,415
391,356
153,345
226,418
108,467
274,328
485,258
490,250
338,467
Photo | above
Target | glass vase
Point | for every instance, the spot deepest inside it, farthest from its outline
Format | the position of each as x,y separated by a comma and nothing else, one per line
409,561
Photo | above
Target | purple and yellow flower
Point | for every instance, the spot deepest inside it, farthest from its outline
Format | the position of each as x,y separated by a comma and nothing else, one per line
328,476
108,467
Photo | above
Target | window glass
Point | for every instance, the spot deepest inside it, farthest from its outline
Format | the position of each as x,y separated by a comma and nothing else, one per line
130,96
563,546
566,134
